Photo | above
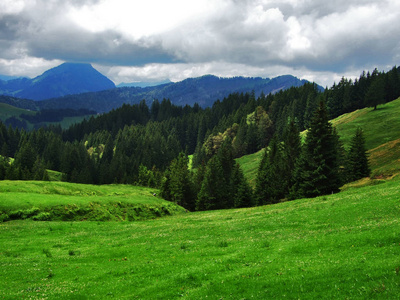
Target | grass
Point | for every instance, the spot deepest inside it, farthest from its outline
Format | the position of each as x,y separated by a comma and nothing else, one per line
7,111
342,246
45,201
380,126
249,165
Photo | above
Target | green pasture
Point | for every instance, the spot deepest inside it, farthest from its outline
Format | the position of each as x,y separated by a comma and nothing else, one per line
380,126
342,246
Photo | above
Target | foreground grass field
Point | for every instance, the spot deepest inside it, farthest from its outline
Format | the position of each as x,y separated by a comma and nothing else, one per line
343,246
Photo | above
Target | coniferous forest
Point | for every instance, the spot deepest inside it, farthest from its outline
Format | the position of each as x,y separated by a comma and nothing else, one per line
150,145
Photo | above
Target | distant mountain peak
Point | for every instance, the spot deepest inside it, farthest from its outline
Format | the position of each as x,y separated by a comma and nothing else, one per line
65,79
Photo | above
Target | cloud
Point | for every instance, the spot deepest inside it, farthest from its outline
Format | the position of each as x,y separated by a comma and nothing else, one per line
178,38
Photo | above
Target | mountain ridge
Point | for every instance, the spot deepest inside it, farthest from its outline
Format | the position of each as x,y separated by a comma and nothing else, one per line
204,90
76,94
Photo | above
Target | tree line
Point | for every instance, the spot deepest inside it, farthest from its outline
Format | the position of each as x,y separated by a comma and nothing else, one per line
137,144
288,170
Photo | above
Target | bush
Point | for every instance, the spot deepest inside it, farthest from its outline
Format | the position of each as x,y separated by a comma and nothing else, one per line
4,218
23,214
43,216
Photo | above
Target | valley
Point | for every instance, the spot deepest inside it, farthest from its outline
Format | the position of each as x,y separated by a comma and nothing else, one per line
69,240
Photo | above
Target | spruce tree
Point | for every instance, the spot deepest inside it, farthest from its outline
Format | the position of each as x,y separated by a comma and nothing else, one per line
291,153
376,92
317,171
357,160
180,183
271,179
241,191
213,190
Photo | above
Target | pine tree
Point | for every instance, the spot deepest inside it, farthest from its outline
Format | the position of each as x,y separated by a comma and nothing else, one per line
180,183
213,188
271,180
357,166
376,92
317,171
291,153
241,191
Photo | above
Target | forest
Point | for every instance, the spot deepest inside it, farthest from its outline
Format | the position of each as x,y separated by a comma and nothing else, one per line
150,146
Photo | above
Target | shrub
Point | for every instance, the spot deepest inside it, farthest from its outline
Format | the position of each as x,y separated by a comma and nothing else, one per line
4,218
47,253
23,213
43,216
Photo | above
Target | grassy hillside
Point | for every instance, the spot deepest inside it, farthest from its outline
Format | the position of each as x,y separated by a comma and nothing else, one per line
249,164
381,131
342,246
380,126
8,111
74,202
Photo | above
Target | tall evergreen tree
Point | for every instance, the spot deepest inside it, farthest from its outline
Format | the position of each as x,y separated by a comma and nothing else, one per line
178,185
241,191
270,182
291,153
317,171
213,190
357,166
376,92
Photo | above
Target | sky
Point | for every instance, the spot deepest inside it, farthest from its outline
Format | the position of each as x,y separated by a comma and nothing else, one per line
154,40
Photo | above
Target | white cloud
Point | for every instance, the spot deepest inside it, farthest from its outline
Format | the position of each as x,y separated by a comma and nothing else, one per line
137,19
26,66
176,39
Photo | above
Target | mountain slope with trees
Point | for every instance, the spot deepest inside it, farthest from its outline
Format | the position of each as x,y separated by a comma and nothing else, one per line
138,144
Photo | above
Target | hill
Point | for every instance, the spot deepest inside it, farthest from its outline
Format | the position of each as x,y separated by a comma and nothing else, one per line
76,202
382,135
342,246
66,79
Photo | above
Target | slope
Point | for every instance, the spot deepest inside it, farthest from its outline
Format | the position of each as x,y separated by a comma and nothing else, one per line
342,246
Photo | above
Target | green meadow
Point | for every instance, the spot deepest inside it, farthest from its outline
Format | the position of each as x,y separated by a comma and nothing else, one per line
342,246
8,111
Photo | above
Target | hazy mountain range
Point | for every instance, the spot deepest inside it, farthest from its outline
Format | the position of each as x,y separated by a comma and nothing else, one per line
77,86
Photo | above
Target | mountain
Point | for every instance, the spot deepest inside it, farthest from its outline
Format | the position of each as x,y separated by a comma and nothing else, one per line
203,90
79,86
7,77
66,79
143,84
